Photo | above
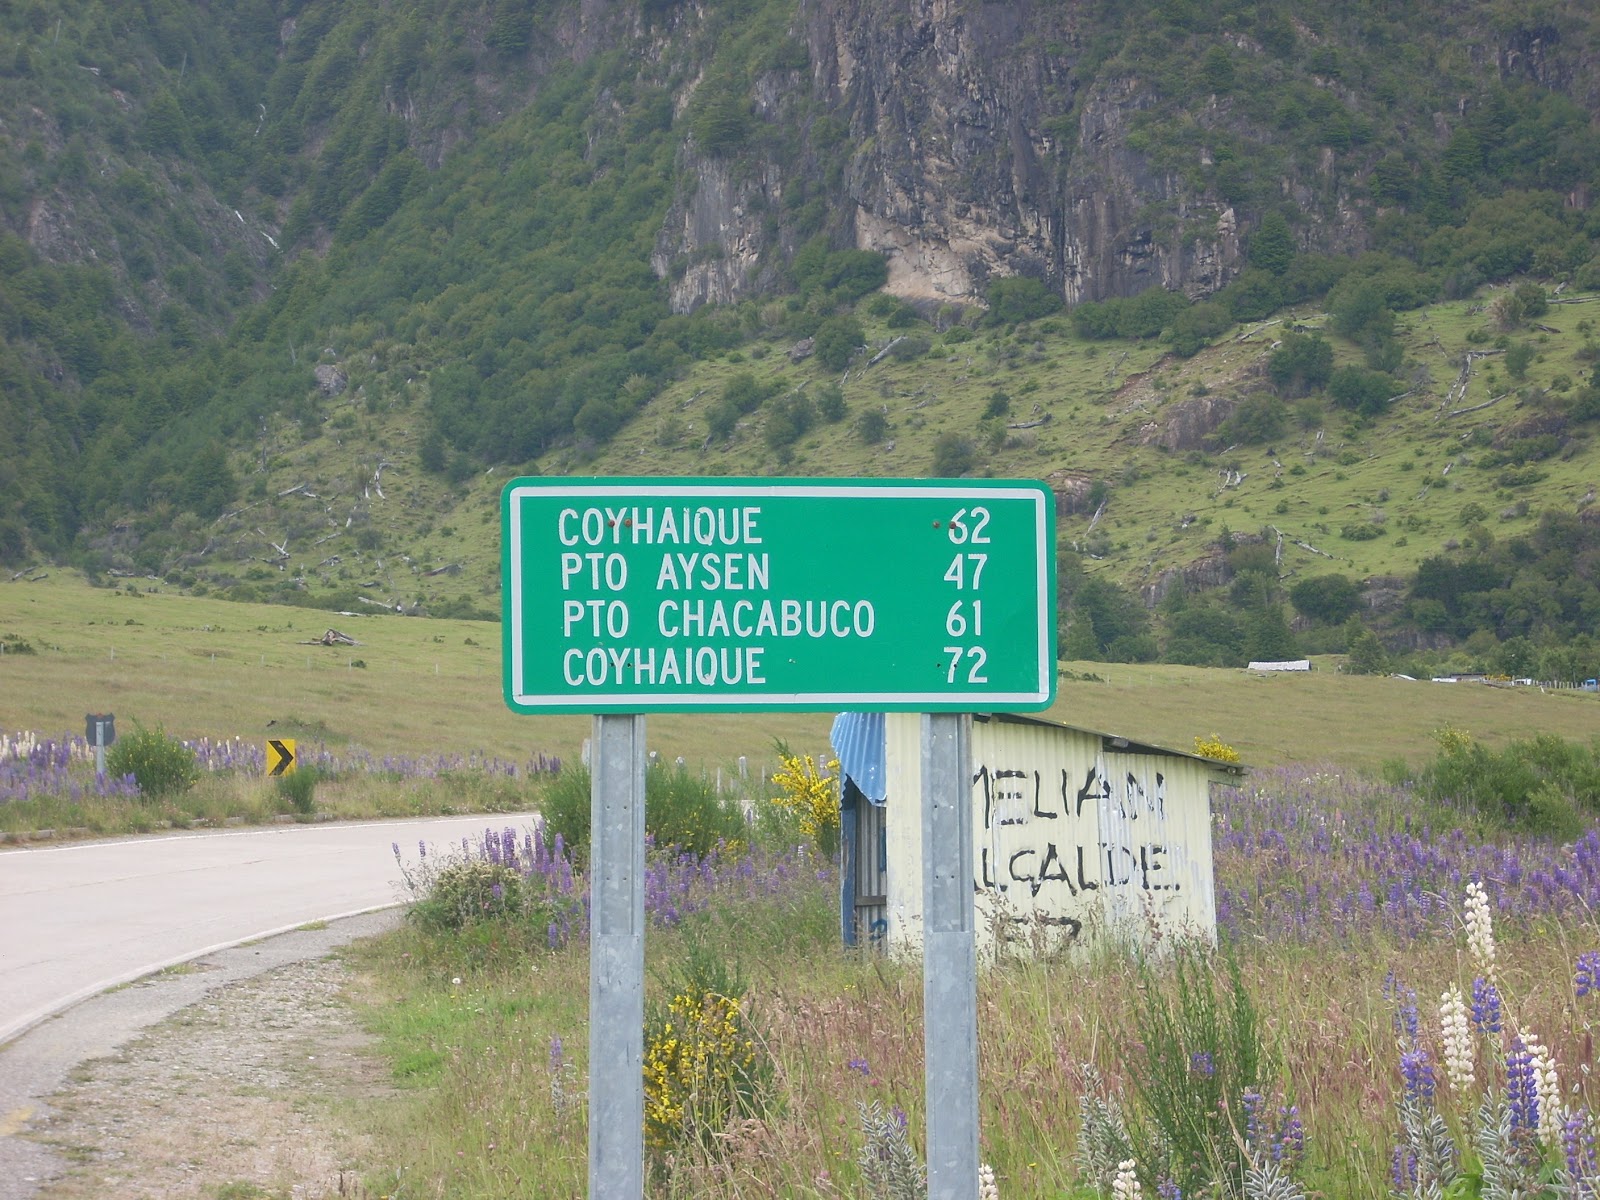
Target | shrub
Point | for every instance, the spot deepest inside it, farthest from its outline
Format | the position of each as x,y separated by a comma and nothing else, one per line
1537,784
837,339
811,795
1300,364
299,788
680,809
907,347
873,426
1215,747
1367,655
1332,599
703,1069
1360,531
1365,391
686,810
159,764
1018,298
467,892
831,405
953,455
565,809
788,419
1198,1039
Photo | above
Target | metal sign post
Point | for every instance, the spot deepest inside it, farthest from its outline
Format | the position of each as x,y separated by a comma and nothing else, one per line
632,595
100,730
616,958
949,958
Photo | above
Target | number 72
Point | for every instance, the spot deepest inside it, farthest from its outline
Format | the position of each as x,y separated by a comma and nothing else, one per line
977,656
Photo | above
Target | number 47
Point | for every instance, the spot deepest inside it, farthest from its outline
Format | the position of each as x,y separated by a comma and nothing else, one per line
959,566
976,655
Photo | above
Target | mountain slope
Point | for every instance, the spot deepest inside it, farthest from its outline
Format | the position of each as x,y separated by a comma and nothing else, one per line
361,253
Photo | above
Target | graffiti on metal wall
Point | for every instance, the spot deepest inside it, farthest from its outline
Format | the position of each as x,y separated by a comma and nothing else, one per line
1046,841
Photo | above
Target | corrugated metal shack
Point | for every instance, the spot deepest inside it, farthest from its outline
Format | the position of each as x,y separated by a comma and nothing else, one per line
1075,832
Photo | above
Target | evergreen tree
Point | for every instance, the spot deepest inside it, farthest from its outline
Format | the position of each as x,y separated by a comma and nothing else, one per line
1079,642
1272,247
1367,655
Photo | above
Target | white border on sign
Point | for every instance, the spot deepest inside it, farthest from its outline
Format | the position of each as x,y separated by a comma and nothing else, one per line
629,702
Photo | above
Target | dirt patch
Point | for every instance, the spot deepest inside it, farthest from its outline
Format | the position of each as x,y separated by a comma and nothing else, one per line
244,1095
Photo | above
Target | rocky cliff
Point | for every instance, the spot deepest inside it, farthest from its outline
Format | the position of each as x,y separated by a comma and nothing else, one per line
970,141
978,143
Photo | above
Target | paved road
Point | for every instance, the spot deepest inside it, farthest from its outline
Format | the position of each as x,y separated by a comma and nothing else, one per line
80,918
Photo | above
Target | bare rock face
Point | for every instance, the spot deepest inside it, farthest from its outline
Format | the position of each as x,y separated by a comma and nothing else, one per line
1071,490
1383,595
331,379
1186,424
976,148
1210,570
713,241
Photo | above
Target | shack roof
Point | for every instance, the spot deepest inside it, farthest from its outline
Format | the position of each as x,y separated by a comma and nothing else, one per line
1113,741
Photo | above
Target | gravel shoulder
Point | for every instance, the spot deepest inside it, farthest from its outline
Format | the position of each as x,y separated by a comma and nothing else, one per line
236,1077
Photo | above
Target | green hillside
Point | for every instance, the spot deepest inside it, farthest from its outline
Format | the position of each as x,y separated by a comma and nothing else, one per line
288,291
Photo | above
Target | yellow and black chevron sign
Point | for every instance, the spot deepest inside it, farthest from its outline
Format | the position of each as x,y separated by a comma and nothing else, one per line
280,756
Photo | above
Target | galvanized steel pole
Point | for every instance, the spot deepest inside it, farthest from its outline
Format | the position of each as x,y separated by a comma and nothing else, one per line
616,958
950,958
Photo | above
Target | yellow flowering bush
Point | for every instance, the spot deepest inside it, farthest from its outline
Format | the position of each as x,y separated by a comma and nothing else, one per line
1215,747
699,1068
811,792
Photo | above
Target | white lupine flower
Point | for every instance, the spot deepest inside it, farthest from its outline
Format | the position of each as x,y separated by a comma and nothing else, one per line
987,1188
1548,1088
1459,1052
1126,1185
1480,929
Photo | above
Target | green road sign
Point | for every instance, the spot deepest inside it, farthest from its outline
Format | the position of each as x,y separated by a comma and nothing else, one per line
717,595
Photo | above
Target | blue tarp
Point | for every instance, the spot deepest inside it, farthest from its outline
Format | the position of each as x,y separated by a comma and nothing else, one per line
859,742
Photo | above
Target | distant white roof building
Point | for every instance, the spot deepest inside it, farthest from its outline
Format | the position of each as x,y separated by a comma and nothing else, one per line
1292,664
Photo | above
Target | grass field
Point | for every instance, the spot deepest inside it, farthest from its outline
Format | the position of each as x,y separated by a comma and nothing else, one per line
1340,896
1342,903
201,667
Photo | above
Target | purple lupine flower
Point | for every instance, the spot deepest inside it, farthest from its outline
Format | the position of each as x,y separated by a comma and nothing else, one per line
1406,1021
1486,1006
1586,973
1416,1070
1251,1102
1403,1169
899,1115
859,1064
1167,1190
1201,1062
1522,1089
1578,1148
1290,1144
557,1056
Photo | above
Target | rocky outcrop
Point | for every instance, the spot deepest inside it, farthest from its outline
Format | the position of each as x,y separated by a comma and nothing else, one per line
1186,424
979,145
1210,570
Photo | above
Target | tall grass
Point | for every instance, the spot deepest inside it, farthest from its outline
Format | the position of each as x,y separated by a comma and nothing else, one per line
485,1107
